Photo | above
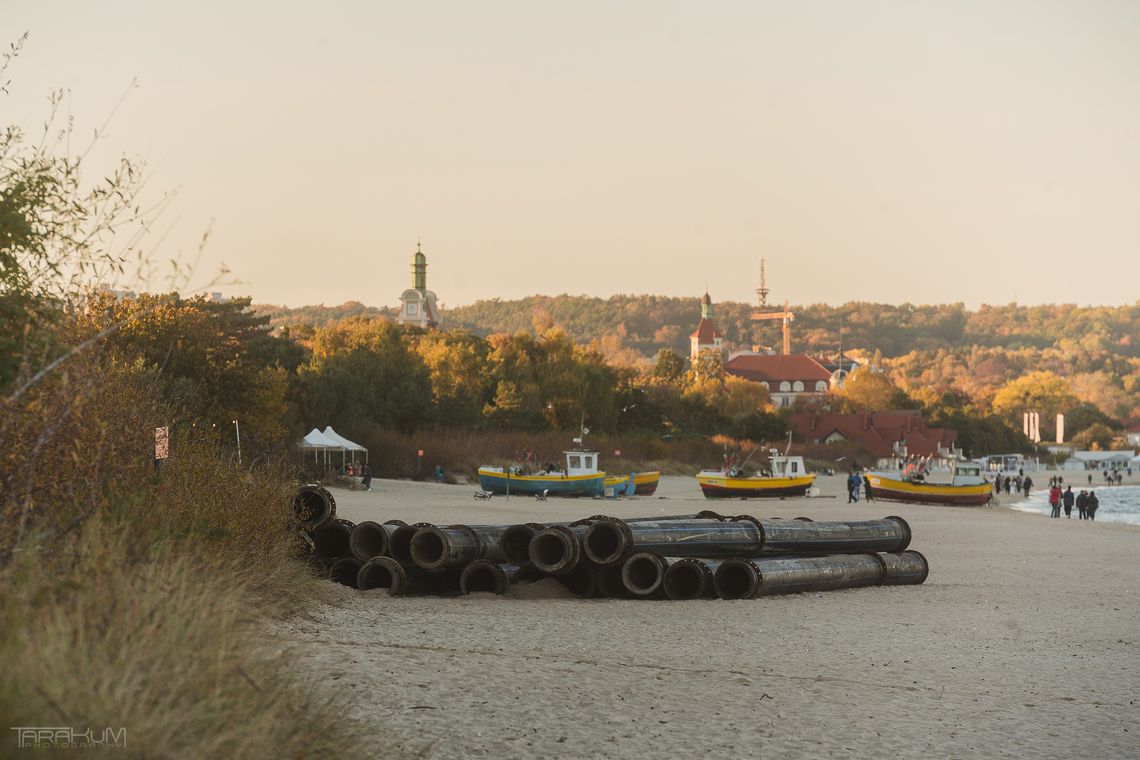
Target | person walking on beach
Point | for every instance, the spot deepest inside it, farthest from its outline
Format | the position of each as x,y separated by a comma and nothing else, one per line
1090,478
1055,499
1067,500
852,494
1082,505
1093,505
1026,485
867,489
1008,485
366,480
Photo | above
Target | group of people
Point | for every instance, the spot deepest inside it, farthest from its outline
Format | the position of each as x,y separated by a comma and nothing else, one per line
1020,483
1086,502
855,483
363,471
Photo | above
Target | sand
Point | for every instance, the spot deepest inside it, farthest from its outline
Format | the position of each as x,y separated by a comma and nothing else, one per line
1023,642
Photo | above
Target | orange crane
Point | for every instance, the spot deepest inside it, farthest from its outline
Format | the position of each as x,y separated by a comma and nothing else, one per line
785,315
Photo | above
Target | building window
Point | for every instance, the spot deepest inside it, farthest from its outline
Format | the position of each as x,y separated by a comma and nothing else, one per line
765,385
820,386
785,386
798,386
412,309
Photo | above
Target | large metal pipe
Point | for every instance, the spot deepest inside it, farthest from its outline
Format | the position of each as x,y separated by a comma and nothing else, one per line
313,506
609,582
437,547
736,579
644,573
331,539
557,549
388,573
610,540
484,575
767,576
890,534
345,570
370,539
400,543
515,540
691,578
582,580
901,568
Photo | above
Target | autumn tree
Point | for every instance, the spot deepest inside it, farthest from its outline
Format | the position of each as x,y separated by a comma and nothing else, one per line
1041,392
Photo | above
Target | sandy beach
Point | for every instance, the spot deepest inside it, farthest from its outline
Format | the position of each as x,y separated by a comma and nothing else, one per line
1023,642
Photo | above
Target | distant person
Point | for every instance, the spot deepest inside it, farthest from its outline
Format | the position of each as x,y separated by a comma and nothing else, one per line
1090,478
858,486
1067,500
1082,505
1008,485
1093,505
867,489
852,480
439,473
366,480
1026,485
1055,499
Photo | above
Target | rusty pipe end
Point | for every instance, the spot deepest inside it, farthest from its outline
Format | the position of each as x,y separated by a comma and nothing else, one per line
368,539
429,547
736,579
581,580
345,570
484,575
607,541
643,573
555,550
382,572
313,506
400,543
904,542
685,580
331,540
515,542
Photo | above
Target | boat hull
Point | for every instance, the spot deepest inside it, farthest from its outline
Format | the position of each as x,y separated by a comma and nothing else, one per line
644,483
724,487
884,488
553,485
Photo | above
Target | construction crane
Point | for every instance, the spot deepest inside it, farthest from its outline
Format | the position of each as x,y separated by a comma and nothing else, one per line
785,315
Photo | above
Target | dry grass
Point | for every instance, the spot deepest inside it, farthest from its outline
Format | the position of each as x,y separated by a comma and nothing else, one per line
142,600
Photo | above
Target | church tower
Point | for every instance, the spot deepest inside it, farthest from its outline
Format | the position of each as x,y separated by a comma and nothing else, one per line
706,336
417,304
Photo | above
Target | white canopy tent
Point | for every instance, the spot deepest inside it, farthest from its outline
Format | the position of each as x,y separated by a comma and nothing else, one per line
318,442
344,443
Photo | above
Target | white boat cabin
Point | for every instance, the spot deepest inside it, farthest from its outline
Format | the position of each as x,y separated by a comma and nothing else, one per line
966,474
581,462
785,467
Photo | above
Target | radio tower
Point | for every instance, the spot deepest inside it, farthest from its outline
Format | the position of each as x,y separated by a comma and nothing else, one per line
762,291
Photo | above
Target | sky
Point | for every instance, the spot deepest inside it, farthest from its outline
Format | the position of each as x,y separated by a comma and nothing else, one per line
886,151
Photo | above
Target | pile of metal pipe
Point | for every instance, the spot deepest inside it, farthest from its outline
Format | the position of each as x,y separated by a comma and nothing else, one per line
683,557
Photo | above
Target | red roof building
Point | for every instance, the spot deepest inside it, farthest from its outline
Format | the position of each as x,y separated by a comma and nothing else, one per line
887,435
785,377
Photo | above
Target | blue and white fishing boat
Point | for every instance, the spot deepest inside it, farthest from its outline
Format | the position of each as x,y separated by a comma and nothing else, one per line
579,476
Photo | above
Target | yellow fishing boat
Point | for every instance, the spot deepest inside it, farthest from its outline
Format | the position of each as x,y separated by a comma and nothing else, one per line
966,487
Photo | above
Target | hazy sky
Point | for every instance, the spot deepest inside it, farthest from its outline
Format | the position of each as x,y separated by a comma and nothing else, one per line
880,151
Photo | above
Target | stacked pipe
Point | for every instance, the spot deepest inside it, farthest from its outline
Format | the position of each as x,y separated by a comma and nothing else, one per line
705,555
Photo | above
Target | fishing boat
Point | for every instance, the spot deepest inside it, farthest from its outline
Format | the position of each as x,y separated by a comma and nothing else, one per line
784,476
579,477
644,483
965,487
